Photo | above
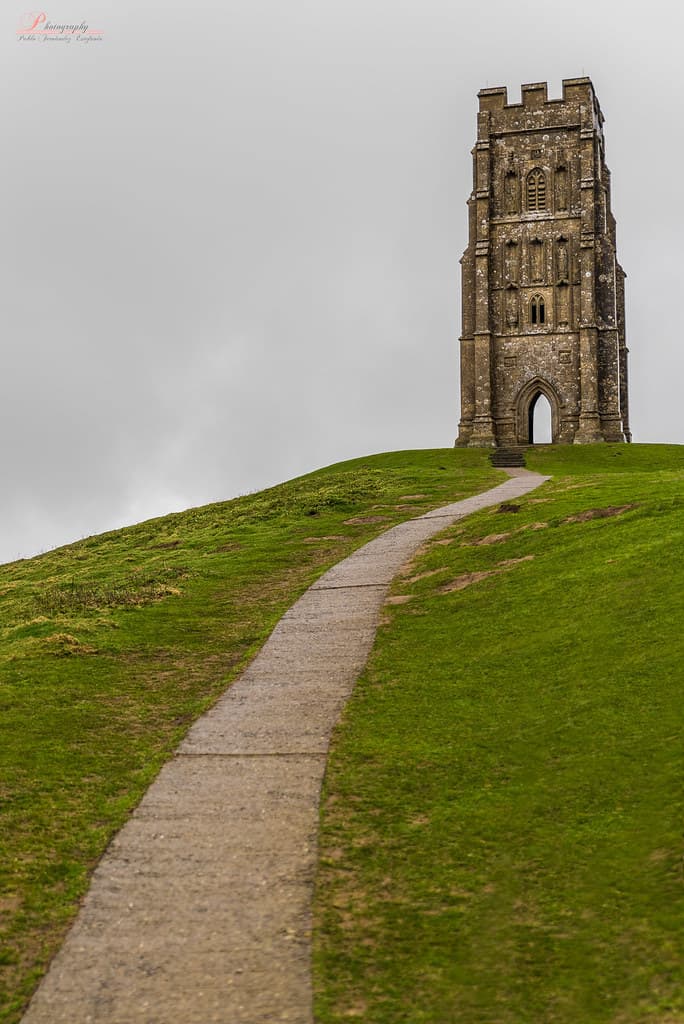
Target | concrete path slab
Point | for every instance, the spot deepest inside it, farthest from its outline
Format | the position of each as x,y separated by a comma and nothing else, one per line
200,910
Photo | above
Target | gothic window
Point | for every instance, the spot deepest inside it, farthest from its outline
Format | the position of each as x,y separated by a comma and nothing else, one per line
536,190
537,310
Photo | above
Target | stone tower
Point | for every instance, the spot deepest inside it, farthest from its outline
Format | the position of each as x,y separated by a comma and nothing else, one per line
543,292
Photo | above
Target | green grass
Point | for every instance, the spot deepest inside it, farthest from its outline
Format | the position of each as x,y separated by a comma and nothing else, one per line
503,808
111,647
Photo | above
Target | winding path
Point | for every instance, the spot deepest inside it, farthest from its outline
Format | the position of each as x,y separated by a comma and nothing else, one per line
199,911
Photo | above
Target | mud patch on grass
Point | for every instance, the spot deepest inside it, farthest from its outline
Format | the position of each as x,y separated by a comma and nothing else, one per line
321,540
491,538
598,513
362,520
498,538
425,575
468,578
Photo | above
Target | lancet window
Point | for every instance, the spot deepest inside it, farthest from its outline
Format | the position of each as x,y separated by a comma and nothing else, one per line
537,310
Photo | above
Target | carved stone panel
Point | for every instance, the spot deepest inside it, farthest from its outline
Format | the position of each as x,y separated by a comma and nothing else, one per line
562,259
512,315
562,189
537,261
511,262
563,304
511,193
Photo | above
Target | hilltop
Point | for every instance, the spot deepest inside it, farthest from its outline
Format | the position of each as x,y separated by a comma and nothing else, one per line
112,646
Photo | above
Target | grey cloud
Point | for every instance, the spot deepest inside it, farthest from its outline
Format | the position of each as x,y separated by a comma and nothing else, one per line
231,236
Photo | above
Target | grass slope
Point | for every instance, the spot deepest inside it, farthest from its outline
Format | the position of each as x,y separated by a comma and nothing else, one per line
110,647
502,825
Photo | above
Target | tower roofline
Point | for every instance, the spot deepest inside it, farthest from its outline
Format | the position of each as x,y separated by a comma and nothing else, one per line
536,94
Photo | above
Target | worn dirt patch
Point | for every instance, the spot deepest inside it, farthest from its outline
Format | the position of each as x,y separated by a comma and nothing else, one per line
491,538
461,582
423,575
360,520
598,513
411,497
468,578
497,538
316,540
399,599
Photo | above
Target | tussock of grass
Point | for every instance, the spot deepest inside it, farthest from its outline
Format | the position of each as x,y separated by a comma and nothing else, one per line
110,647
502,829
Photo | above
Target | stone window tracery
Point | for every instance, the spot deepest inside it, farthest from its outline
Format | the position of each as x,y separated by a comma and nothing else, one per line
536,190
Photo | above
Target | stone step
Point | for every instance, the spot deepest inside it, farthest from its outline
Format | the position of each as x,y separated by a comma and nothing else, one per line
507,457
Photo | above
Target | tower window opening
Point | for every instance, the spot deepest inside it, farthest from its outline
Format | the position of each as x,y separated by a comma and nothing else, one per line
536,190
537,310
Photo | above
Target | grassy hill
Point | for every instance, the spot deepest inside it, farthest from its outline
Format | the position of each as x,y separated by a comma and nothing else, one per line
110,647
502,825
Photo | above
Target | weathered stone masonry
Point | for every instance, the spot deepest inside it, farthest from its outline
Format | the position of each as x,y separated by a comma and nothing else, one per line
543,293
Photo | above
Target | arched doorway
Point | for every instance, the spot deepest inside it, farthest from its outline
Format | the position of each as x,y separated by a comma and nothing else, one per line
539,426
537,413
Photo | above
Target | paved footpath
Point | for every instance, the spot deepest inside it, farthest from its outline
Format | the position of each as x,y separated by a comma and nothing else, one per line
200,910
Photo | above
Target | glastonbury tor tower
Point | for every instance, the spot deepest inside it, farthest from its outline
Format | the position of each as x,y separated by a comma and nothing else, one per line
543,292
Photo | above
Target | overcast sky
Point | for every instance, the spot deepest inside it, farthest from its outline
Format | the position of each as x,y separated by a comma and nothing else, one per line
231,235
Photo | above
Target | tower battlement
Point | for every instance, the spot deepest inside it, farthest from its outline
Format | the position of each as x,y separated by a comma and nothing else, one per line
536,94
543,292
